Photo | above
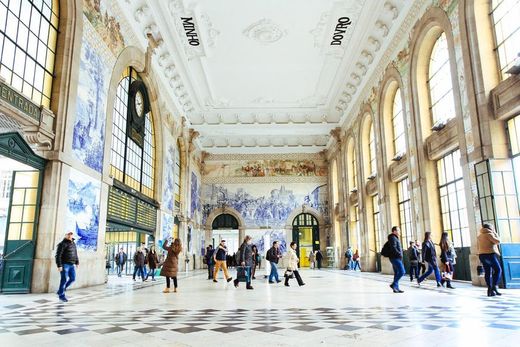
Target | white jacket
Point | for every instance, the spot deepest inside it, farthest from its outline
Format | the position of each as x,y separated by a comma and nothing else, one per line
292,259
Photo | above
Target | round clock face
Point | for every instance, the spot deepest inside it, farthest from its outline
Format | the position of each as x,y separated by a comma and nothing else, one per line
139,103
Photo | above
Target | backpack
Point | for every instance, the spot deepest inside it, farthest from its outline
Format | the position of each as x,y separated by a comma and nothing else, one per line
268,255
386,250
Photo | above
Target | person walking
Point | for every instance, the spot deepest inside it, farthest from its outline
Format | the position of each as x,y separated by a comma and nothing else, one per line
245,261
292,266
393,251
420,259
170,267
153,262
413,256
209,261
139,261
120,259
66,261
487,245
355,261
448,259
219,256
348,256
256,261
319,258
274,255
312,259
430,256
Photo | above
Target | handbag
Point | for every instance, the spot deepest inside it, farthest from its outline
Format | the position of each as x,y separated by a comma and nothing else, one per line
244,273
289,274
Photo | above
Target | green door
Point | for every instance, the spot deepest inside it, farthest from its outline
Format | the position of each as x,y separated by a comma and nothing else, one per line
21,228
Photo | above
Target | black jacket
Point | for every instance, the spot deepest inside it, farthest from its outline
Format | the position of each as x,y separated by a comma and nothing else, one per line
221,254
245,254
139,258
428,252
120,261
413,254
396,251
273,255
319,256
66,253
209,256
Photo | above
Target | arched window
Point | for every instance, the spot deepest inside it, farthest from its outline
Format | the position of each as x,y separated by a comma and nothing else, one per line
28,36
405,212
335,188
178,166
372,149
398,127
131,164
352,165
442,103
506,19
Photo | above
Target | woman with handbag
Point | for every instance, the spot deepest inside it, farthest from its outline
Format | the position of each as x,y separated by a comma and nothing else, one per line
448,259
430,256
256,261
292,267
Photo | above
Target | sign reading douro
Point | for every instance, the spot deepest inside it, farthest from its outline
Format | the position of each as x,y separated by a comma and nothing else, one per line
341,29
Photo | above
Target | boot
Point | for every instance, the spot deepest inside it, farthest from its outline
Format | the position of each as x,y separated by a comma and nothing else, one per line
175,290
490,292
235,282
249,286
166,290
496,291
450,286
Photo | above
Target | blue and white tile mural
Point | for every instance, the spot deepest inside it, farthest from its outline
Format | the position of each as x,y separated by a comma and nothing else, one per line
263,239
168,188
263,205
166,227
89,128
83,209
195,195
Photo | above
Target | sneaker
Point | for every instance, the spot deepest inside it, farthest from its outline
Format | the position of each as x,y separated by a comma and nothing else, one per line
229,279
250,287
278,281
302,284
271,282
399,291
215,281
235,282
63,299
286,285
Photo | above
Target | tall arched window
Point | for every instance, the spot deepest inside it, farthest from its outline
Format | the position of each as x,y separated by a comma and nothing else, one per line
398,127
28,36
506,19
442,103
178,166
372,149
131,164
352,165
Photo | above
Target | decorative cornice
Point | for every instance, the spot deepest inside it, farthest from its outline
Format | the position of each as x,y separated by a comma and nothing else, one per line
284,156
268,179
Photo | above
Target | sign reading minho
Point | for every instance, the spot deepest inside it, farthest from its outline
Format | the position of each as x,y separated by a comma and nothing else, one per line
19,101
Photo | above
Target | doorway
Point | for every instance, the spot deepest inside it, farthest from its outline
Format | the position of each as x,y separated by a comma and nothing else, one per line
225,227
129,241
306,234
21,176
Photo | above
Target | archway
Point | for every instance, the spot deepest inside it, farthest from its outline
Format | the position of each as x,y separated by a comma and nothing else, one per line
225,227
306,234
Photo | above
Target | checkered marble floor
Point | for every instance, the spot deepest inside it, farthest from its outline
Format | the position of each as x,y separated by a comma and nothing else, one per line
334,308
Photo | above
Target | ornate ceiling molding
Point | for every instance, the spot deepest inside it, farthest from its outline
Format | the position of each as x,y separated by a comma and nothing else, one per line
265,31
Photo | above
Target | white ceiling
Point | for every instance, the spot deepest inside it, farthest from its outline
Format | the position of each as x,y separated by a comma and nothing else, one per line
265,77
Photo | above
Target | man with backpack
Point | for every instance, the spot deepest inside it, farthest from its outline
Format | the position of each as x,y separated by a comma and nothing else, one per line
393,250
274,255
348,256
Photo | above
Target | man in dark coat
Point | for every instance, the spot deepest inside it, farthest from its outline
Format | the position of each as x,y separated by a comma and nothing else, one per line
274,255
139,259
209,261
120,259
66,259
319,258
395,254
245,259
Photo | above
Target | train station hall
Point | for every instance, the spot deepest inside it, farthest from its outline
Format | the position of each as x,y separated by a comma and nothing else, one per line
259,172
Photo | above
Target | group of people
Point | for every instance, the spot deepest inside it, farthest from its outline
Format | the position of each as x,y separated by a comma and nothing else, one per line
352,259
488,252
248,259
146,262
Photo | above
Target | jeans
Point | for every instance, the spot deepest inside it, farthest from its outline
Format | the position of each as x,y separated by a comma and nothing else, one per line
68,275
397,265
490,262
141,270
414,270
120,269
356,265
274,272
211,268
152,273
432,267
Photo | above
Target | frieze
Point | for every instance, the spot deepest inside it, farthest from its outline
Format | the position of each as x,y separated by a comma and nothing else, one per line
271,179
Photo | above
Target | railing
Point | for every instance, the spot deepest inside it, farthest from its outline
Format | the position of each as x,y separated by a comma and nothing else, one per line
16,250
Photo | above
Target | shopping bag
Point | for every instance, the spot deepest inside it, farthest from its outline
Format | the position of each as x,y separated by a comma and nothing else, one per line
243,273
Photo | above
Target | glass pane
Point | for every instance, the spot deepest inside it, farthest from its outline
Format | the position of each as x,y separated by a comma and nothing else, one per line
27,231
14,231
16,214
18,196
30,196
29,213
26,179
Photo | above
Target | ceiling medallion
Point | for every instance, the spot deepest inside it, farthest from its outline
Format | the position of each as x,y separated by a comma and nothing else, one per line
264,31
